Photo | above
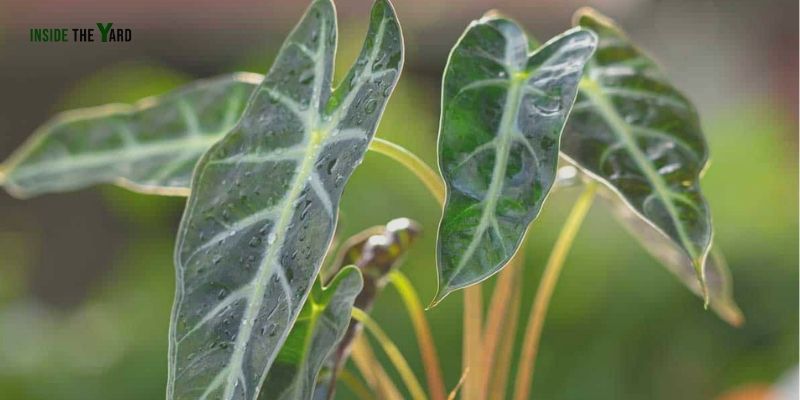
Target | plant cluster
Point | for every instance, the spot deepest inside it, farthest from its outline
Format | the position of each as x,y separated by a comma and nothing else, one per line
264,161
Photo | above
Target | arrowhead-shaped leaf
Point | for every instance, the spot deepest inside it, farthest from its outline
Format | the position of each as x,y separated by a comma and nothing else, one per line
150,146
636,133
316,332
264,204
503,110
718,277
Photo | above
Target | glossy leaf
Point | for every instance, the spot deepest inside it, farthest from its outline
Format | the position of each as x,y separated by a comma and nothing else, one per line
316,332
637,134
503,110
264,204
150,146
718,277
376,251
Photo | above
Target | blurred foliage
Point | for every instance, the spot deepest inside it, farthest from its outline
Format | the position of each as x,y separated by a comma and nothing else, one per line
620,325
124,83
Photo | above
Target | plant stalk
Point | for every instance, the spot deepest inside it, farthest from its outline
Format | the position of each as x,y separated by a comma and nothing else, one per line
427,347
473,302
428,176
472,343
499,374
394,354
372,371
355,385
499,318
533,331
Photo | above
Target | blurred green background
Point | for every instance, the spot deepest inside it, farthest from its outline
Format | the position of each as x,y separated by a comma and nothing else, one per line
86,278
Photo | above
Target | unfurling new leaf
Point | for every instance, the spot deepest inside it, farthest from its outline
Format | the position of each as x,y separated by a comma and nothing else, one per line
503,110
264,204
316,332
634,132
151,146
376,251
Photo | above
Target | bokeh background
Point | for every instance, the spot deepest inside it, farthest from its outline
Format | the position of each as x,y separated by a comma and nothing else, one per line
86,278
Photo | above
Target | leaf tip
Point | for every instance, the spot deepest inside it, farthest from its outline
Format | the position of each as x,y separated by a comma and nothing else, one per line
347,273
591,13
699,268
6,169
729,312
590,18
492,14
384,8
733,316
441,293
582,12
16,191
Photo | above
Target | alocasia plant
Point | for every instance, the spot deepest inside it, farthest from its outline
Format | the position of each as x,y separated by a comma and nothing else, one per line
264,160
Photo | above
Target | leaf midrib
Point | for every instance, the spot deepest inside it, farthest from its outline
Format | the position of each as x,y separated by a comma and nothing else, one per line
268,263
198,143
316,311
321,130
592,90
505,138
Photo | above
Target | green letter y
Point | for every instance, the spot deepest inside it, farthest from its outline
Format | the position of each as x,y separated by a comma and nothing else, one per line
104,31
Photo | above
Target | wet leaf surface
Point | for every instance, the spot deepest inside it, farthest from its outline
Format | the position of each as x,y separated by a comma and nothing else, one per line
316,332
264,204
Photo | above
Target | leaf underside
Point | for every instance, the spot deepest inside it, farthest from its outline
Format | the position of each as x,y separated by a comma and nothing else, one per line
638,135
264,204
718,278
503,110
150,146
318,329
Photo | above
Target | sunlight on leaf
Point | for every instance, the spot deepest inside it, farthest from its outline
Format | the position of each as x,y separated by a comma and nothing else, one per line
151,146
264,204
633,131
503,110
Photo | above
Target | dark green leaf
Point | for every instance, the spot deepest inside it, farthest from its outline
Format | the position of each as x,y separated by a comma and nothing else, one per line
503,110
150,146
264,204
637,134
316,332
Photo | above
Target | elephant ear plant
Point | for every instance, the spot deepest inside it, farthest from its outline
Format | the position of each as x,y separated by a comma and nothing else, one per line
264,161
